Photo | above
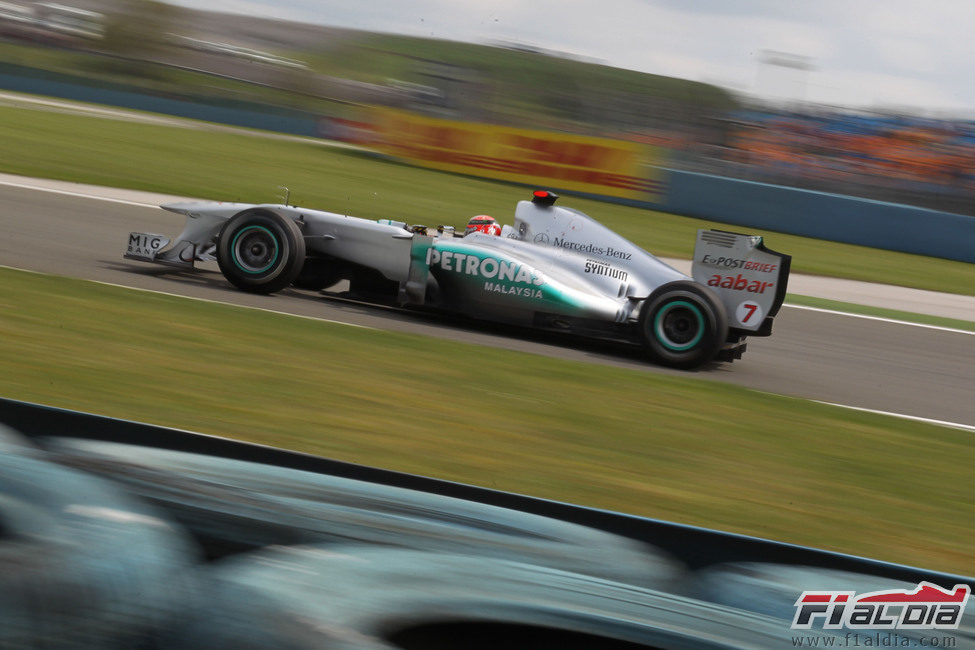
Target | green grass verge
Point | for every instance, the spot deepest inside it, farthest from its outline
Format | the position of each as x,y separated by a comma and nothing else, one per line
675,447
377,57
910,317
519,85
229,166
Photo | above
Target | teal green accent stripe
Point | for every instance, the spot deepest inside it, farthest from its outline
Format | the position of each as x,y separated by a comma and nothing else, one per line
551,292
233,249
658,326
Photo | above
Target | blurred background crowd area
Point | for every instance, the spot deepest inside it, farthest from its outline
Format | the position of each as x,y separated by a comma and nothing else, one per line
333,73
897,158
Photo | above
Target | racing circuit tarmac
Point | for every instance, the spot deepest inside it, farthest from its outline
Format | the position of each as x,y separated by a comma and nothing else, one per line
864,363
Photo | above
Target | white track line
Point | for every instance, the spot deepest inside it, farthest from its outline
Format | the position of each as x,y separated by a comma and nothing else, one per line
954,425
942,423
99,111
819,309
882,319
216,302
38,188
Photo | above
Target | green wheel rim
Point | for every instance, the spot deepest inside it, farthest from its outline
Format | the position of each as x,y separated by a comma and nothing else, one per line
673,329
254,250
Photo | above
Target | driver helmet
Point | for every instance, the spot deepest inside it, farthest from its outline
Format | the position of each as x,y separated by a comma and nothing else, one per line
483,223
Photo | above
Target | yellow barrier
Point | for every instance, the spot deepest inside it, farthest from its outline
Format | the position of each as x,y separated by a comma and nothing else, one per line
570,162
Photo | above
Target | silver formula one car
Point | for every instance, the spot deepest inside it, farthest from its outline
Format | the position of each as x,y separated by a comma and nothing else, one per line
555,269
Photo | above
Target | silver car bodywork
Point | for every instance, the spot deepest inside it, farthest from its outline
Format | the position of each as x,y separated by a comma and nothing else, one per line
554,268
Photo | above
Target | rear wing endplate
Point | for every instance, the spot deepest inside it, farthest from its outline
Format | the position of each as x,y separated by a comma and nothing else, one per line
750,279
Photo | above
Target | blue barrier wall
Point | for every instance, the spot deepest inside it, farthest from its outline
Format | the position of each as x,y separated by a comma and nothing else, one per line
821,215
736,202
246,114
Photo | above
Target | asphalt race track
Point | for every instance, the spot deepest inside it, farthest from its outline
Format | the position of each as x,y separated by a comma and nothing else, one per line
870,364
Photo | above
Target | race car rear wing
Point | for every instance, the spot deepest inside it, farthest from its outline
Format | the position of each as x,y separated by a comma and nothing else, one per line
750,279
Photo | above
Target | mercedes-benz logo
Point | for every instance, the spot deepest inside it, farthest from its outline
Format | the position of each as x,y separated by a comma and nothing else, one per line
541,238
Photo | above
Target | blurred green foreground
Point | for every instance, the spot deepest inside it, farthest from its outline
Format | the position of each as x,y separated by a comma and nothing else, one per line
679,448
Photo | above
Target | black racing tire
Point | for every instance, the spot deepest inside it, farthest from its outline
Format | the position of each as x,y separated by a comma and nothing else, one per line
318,273
683,325
260,252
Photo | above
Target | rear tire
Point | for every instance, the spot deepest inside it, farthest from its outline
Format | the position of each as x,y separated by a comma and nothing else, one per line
260,252
683,325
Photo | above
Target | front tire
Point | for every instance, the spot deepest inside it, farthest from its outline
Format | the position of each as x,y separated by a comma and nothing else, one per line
260,252
683,325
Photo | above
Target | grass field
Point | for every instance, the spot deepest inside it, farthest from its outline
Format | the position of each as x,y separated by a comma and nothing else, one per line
229,166
522,86
627,440
515,83
378,57
149,77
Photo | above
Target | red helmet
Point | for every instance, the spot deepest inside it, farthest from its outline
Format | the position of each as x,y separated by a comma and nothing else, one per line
483,223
